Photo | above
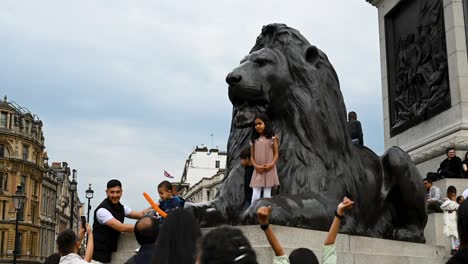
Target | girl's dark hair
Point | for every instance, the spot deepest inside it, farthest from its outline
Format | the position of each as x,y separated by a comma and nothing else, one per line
225,245
303,256
53,259
177,239
268,132
462,223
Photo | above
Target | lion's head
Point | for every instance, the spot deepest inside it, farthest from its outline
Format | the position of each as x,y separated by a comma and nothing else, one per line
296,86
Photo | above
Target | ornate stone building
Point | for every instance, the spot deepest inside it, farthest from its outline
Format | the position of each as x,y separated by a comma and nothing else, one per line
202,175
22,163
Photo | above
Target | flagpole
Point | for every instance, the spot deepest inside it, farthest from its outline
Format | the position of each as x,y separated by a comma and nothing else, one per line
212,141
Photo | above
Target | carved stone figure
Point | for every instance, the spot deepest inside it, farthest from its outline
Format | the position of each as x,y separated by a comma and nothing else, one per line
418,73
296,86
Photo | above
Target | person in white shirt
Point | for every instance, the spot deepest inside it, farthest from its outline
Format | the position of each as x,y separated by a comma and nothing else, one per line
69,244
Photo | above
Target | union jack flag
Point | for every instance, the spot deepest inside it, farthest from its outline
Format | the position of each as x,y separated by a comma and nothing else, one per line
166,174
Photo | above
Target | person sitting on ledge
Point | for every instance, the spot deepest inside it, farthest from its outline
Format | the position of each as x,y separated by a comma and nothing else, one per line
451,167
304,255
434,197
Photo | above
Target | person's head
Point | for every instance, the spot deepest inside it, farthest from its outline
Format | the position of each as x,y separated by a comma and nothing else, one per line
262,127
53,259
303,256
165,190
450,151
427,183
67,242
114,191
460,199
245,157
224,245
462,223
146,230
452,192
177,239
466,156
352,116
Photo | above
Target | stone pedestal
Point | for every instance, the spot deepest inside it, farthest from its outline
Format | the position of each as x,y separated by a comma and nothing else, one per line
350,249
427,140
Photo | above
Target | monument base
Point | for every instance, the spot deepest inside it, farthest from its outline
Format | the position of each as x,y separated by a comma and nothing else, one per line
350,249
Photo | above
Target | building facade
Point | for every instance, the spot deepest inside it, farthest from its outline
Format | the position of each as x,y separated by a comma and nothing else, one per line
48,212
23,164
206,189
202,175
203,163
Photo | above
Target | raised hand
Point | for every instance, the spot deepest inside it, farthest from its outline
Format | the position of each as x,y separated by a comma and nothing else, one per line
263,213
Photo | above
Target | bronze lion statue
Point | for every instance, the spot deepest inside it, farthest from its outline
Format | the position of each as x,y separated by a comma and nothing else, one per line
293,82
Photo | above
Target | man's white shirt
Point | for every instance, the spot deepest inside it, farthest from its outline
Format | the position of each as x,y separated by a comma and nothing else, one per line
103,215
72,258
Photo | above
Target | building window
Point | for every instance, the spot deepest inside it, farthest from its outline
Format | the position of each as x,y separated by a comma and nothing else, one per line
33,214
217,164
34,187
3,119
3,180
25,152
2,242
4,151
23,183
28,127
4,209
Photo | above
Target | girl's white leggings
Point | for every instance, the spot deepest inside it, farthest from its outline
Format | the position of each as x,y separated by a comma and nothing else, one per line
257,191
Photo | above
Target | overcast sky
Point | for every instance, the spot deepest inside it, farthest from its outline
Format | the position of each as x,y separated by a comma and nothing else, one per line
126,89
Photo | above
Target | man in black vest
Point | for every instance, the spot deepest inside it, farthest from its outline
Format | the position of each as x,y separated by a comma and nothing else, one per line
108,222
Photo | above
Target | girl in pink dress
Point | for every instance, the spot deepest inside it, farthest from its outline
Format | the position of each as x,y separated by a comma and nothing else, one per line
264,154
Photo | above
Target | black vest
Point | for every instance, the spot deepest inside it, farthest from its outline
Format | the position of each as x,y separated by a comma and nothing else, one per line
106,238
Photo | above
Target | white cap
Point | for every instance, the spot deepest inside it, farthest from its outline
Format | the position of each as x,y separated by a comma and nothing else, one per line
465,193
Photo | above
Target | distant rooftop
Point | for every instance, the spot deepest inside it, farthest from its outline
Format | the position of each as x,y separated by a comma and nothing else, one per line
21,111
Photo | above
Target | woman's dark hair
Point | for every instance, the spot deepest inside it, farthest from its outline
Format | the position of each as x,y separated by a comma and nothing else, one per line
459,199
466,157
268,132
177,239
53,259
303,256
224,245
462,223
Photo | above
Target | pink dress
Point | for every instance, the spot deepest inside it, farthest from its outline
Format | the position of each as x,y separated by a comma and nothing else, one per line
263,148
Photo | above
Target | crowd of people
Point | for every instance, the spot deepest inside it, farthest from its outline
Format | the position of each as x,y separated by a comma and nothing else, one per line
177,238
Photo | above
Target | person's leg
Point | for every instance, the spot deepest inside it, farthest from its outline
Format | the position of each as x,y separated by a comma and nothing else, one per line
267,192
255,194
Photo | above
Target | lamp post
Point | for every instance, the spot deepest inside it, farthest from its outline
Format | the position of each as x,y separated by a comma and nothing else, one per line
89,196
18,201
72,190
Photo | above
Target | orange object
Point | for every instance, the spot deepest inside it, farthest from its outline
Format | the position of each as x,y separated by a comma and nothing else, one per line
154,205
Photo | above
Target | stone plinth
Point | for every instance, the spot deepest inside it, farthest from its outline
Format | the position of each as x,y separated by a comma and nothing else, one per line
350,249
426,142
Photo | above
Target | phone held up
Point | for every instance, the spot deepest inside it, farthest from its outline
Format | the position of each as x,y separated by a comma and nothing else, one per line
83,222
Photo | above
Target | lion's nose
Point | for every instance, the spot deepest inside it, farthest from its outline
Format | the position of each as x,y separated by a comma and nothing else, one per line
233,78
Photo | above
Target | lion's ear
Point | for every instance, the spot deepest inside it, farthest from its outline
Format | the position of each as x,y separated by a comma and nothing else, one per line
312,54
